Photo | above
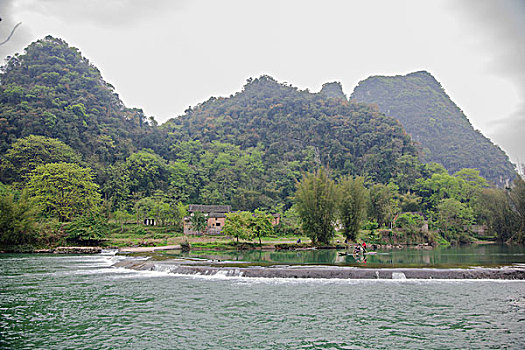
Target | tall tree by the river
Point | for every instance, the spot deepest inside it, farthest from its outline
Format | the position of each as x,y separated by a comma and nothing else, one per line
316,201
352,205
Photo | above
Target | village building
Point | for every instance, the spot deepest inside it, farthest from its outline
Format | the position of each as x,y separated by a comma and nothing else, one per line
276,219
214,214
150,222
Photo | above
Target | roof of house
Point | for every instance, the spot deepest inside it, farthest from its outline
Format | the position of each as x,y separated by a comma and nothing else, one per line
209,208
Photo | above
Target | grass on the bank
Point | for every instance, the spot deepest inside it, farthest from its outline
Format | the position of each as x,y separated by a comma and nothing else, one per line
154,236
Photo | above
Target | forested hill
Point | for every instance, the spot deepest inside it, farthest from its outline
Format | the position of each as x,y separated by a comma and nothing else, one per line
428,114
51,90
290,125
70,150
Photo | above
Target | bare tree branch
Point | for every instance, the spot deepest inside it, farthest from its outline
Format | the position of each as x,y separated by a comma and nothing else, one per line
10,35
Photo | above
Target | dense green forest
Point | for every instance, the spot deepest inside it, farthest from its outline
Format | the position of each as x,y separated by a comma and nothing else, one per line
51,90
73,156
428,114
287,131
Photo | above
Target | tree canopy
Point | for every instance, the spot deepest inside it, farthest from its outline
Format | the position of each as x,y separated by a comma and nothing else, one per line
63,190
31,151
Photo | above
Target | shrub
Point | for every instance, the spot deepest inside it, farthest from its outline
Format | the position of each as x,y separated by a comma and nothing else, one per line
88,228
410,222
17,221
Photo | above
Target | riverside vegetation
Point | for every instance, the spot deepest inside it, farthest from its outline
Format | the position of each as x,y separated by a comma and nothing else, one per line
78,167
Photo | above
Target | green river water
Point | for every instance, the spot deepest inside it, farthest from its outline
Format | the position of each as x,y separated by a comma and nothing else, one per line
81,302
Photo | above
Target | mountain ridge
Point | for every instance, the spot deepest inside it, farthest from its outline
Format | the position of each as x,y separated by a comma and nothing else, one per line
430,116
53,91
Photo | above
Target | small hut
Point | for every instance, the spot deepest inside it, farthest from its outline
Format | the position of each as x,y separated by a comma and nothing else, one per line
215,216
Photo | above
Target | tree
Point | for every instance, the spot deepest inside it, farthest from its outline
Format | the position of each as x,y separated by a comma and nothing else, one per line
116,187
88,228
199,221
410,202
438,187
407,171
382,203
26,154
17,220
63,190
472,177
517,204
144,208
453,219
352,205
472,183
316,201
411,223
180,211
494,209
237,225
182,181
162,212
147,172
504,211
261,224
122,217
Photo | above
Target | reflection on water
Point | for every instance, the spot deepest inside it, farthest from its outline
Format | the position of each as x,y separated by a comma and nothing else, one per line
474,255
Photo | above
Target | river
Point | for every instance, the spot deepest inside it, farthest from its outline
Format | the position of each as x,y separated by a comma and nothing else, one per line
65,302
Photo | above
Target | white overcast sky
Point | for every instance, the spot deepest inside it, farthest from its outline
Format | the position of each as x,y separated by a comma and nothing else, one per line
166,55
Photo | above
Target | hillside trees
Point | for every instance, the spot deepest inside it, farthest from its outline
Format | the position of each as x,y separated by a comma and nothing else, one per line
52,91
248,150
147,172
27,153
213,173
296,128
428,114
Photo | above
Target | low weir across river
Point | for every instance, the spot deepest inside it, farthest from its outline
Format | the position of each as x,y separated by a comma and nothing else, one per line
181,266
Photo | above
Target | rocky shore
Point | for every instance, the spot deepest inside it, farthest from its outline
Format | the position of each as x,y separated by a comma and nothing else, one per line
71,250
302,271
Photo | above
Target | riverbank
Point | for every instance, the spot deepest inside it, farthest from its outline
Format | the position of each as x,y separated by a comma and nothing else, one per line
70,250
